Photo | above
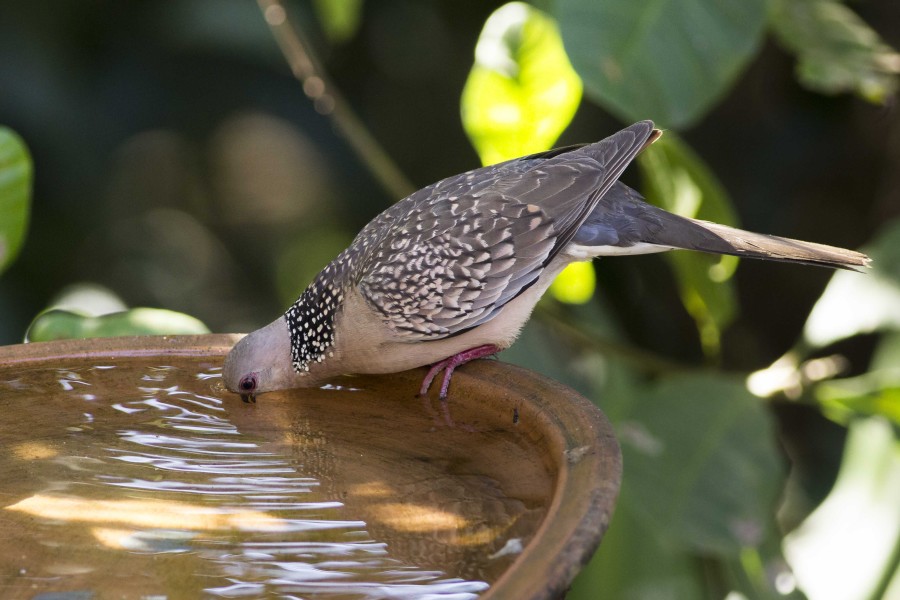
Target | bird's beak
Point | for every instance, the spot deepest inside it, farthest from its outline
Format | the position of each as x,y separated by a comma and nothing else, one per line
249,398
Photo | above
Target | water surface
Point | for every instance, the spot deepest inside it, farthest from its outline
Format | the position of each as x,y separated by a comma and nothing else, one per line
136,480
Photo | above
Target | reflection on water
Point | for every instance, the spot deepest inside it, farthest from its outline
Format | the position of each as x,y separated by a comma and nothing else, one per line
145,481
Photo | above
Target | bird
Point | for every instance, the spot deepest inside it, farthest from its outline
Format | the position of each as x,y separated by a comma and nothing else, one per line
452,272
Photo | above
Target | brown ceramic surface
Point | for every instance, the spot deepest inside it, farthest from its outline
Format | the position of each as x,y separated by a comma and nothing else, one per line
512,483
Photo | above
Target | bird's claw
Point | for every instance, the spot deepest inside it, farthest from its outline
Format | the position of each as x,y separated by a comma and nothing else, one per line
448,365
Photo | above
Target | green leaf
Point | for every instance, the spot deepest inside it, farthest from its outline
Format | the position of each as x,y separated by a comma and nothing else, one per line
56,324
876,393
855,303
15,195
702,463
633,563
666,60
677,179
340,18
522,92
576,283
836,50
848,547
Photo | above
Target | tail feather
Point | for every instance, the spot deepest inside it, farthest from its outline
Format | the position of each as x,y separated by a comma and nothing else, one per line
624,223
662,228
729,240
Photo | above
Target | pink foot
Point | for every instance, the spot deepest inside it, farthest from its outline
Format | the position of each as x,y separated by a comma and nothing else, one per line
449,364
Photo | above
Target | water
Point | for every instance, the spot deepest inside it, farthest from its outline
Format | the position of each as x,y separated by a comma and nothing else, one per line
131,480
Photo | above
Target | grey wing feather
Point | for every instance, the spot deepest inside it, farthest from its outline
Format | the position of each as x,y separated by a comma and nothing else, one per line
456,274
449,257
570,186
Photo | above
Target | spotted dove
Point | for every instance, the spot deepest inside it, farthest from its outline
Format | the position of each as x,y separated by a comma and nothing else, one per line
453,271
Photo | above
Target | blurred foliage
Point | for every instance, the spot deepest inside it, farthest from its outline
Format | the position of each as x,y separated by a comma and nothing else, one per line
669,60
848,547
522,91
679,181
90,311
340,18
62,325
875,393
852,305
634,563
304,257
676,472
575,285
185,170
698,494
836,50
15,195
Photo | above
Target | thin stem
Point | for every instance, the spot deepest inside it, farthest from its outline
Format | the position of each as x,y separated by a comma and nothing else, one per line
328,101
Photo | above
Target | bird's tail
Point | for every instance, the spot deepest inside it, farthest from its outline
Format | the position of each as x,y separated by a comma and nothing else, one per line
693,234
624,223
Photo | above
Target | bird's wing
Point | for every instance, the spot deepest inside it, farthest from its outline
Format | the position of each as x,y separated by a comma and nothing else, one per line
451,256
569,186
448,269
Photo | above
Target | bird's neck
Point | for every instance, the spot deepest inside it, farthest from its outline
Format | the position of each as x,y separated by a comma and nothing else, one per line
311,319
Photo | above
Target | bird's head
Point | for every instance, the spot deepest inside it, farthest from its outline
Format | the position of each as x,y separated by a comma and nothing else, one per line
261,362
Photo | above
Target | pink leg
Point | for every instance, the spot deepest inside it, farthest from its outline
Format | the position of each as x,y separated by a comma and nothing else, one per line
449,364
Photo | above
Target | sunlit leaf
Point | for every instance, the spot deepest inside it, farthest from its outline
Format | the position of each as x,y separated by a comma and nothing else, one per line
702,463
892,586
876,393
340,18
575,285
845,550
677,179
855,303
522,92
668,60
836,50
15,195
59,324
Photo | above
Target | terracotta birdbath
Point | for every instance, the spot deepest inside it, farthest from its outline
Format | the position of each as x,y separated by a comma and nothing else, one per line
127,471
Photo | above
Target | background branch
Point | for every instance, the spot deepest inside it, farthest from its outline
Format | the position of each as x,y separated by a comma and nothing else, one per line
328,101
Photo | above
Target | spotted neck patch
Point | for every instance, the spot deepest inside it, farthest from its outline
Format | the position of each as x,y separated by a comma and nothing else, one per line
310,321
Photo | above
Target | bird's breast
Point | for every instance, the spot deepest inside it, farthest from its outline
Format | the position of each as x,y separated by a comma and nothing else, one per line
367,343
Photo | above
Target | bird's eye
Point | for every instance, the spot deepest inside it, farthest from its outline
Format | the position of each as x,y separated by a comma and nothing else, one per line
248,383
